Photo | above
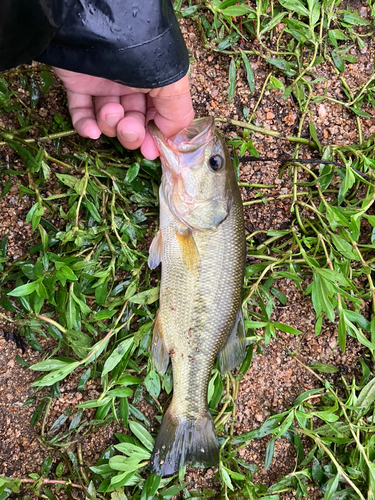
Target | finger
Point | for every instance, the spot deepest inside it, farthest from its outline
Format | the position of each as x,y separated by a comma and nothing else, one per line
93,85
109,112
174,109
148,148
81,110
131,130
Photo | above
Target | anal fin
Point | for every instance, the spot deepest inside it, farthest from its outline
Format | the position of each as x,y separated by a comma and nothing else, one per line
156,251
160,356
234,351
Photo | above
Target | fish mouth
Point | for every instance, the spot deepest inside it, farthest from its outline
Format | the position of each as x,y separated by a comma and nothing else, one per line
194,136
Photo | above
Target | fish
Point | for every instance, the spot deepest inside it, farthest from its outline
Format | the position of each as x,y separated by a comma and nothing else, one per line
202,249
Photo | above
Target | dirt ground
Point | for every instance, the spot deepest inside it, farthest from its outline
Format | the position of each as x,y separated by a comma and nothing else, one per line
275,378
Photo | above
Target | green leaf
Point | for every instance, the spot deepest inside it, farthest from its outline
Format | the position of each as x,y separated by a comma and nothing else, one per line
46,466
366,397
228,41
236,476
341,330
282,64
71,313
150,487
247,361
44,238
275,20
287,328
324,368
129,380
189,10
132,172
269,452
93,210
295,6
354,19
130,449
359,112
172,491
314,135
46,80
249,72
314,8
22,362
6,189
105,314
142,434
9,483
84,378
34,215
120,392
55,375
95,403
38,413
152,383
84,308
270,425
146,297
359,319
28,271
275,83
321,291
305,395
235,11
68,180
51,364
232,80
344,247
285,425
23,290
255,324
34,91
117,354
33,164
225,477
337,60
347,182
331,487
68,273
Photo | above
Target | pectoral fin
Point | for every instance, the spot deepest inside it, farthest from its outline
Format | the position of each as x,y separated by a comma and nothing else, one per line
160,356
156,251
234,351
188,249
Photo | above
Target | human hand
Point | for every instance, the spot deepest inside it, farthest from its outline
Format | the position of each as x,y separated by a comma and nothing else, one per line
101,106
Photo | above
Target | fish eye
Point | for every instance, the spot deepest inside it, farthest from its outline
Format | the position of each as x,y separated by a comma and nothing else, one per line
216,163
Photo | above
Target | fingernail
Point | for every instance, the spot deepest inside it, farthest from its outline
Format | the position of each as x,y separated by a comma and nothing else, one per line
112,120
129,136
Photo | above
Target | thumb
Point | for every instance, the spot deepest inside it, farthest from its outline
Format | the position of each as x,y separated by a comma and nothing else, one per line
173,109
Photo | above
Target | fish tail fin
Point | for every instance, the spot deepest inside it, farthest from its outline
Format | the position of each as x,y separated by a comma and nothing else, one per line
182,441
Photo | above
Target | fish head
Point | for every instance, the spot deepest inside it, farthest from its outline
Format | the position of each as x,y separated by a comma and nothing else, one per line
197,174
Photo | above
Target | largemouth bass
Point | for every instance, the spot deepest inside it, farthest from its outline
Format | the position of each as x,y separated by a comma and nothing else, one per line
201,245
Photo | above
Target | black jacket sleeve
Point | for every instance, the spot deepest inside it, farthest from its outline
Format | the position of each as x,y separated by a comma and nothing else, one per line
137,43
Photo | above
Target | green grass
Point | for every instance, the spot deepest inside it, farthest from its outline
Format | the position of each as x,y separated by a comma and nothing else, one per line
86,283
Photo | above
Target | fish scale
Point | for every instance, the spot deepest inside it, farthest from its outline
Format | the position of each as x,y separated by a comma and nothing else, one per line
202,257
